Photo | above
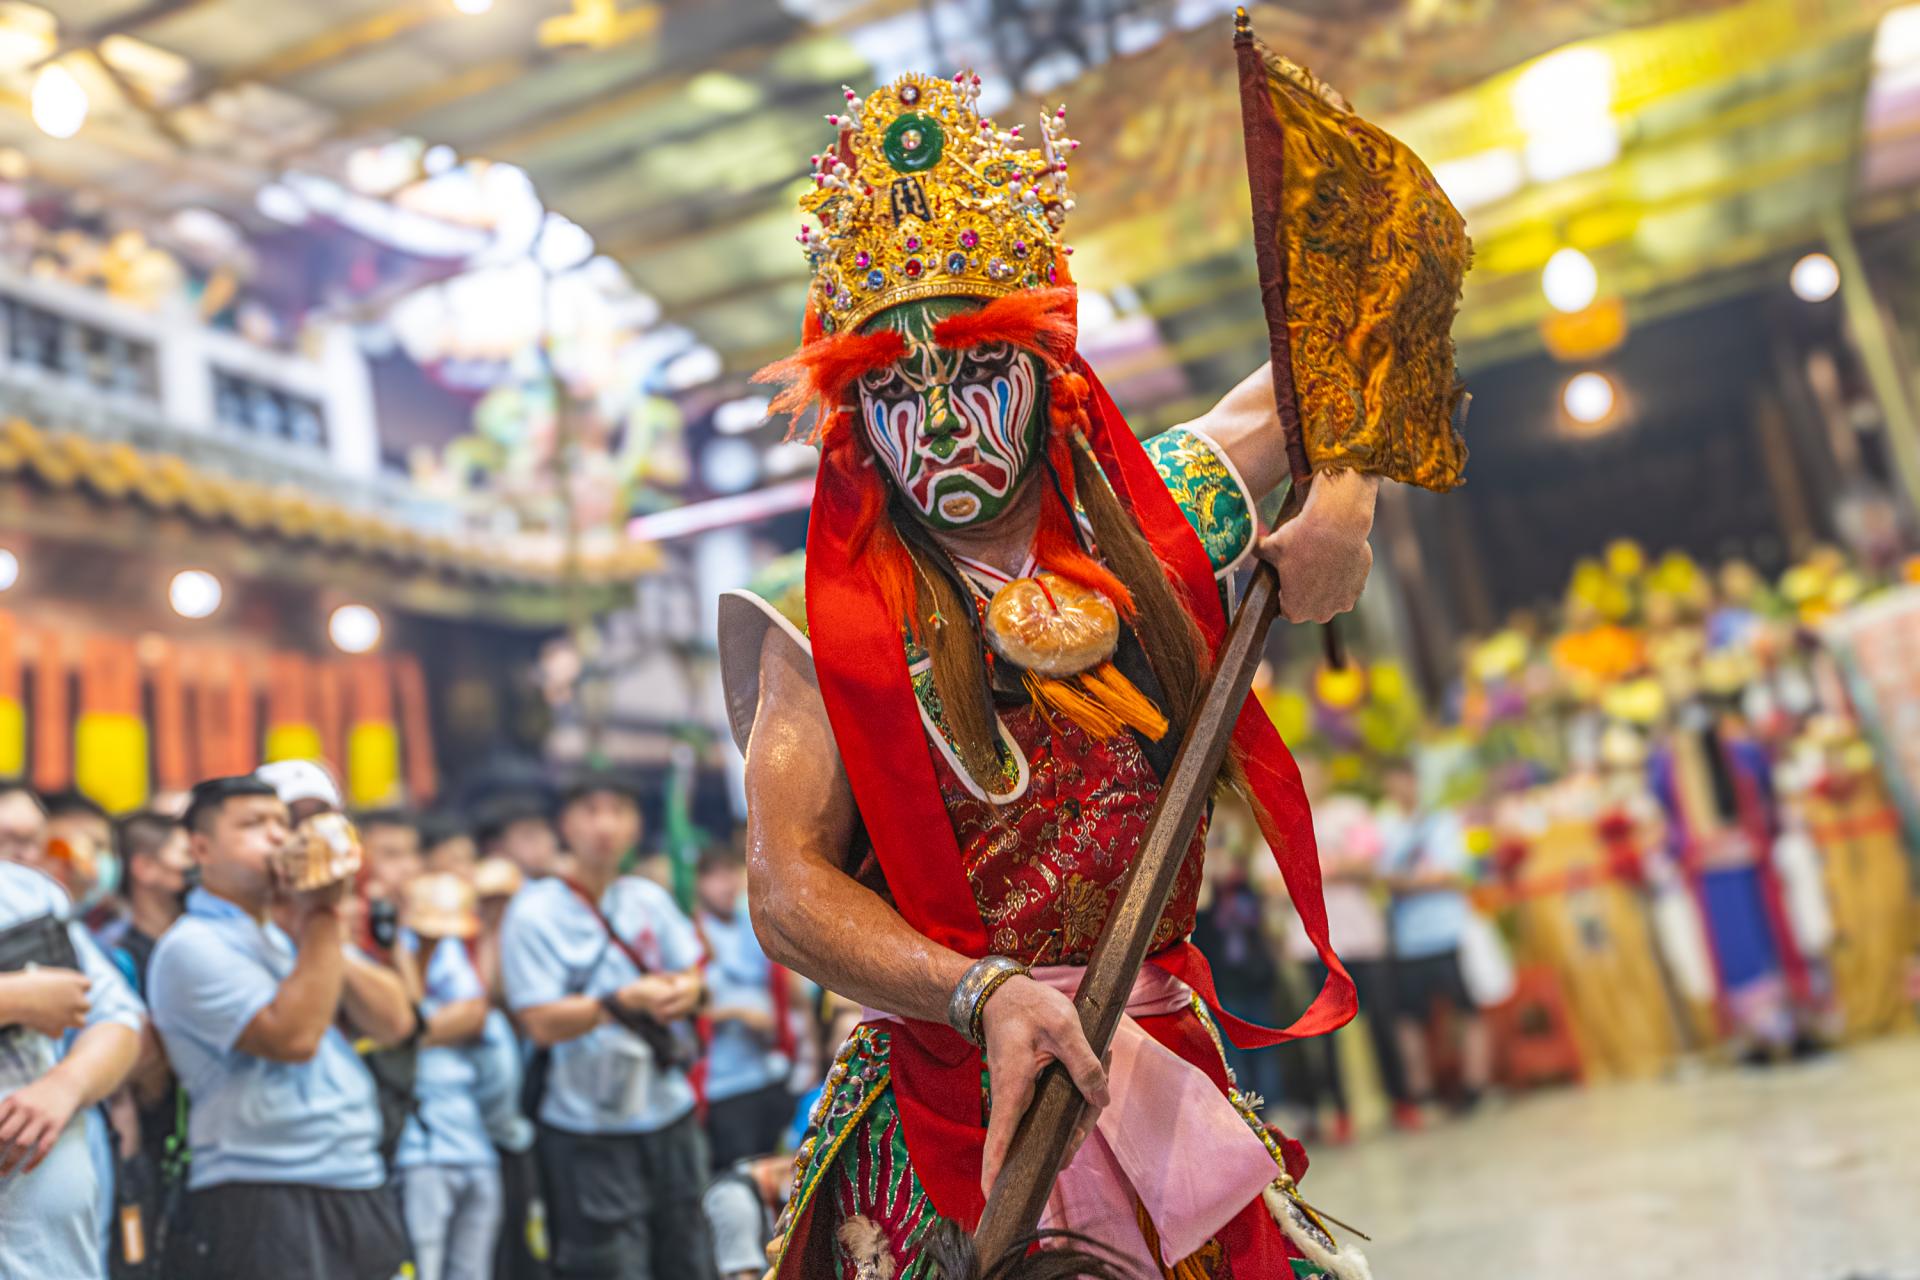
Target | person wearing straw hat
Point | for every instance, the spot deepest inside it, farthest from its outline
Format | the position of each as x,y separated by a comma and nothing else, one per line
448,1171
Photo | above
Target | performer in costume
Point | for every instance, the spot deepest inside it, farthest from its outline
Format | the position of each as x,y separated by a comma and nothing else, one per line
955,737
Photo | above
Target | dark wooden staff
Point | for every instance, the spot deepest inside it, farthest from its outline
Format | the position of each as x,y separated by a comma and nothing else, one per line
1039,1148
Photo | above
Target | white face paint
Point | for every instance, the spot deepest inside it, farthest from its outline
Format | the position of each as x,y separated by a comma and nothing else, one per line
958,430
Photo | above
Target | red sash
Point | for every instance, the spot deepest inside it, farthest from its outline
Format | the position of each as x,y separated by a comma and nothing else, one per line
862,670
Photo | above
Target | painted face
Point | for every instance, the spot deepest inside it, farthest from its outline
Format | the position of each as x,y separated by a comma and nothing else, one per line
959,430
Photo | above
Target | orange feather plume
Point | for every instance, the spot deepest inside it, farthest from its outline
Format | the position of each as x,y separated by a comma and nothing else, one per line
817,376
1043,321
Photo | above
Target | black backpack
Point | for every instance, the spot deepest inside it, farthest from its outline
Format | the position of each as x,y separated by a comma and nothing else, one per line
394,1072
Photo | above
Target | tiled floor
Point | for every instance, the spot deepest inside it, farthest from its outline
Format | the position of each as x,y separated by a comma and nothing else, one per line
1808,1172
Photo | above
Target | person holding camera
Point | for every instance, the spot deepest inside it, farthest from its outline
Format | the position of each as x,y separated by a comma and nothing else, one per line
602,970
69,1034
286,1178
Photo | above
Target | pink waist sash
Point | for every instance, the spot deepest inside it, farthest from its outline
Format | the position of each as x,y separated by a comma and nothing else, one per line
1170,1139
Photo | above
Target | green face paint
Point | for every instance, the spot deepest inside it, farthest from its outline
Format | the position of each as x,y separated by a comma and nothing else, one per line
959,431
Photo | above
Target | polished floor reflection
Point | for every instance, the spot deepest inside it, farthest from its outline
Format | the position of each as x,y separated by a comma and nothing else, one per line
1806,1172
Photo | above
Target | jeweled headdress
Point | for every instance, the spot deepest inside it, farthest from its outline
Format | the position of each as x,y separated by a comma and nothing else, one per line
924,197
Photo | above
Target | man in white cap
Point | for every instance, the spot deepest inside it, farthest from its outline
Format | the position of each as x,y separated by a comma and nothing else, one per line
306,787
287,1178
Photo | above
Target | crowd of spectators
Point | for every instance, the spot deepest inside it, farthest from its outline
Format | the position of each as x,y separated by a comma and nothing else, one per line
499,1047
502,1046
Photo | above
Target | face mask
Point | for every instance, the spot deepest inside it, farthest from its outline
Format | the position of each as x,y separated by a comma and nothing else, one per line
959,431
189,881
106,878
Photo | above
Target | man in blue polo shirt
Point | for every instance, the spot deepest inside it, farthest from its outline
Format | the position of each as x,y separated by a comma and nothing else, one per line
286,1178
748,1102
586,961
68,1037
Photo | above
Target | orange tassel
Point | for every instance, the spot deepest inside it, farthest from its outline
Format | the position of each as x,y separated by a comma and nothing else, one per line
1123,696
1101,701
1065,698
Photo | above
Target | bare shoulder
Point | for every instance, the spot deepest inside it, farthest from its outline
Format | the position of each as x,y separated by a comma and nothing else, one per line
792,736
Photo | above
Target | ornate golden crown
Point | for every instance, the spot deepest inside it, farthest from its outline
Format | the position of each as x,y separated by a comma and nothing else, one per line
924,197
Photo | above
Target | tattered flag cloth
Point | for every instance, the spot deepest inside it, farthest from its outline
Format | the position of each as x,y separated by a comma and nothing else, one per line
1361,260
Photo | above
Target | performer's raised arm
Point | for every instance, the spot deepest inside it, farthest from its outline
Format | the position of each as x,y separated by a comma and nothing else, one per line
1322,554
816,919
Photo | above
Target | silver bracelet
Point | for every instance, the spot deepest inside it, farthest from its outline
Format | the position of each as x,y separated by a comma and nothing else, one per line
979,981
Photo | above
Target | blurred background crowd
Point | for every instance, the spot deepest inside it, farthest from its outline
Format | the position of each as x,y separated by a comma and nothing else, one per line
375,399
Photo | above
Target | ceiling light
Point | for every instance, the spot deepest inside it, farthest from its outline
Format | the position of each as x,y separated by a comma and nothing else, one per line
9,569
1564,105
354,628
1814,278
730,465
1588,398
683,372
59,102
1480,179
1896,42
737,417
194,593
1570,281
473,8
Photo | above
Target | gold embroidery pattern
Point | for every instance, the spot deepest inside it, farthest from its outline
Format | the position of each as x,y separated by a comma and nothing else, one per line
1375,258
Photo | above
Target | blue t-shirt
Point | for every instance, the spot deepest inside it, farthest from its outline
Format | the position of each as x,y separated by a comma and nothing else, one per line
316,1123
447,1126
1431,922
498,1061
739,976
49,1218
552,947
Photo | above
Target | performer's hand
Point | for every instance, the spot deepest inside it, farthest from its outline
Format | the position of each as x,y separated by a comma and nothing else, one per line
1028,1024
1322,554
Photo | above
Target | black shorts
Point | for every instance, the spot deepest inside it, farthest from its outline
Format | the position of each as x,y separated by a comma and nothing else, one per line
627,1206
250,1230
748,1124
524,1247
1420,982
